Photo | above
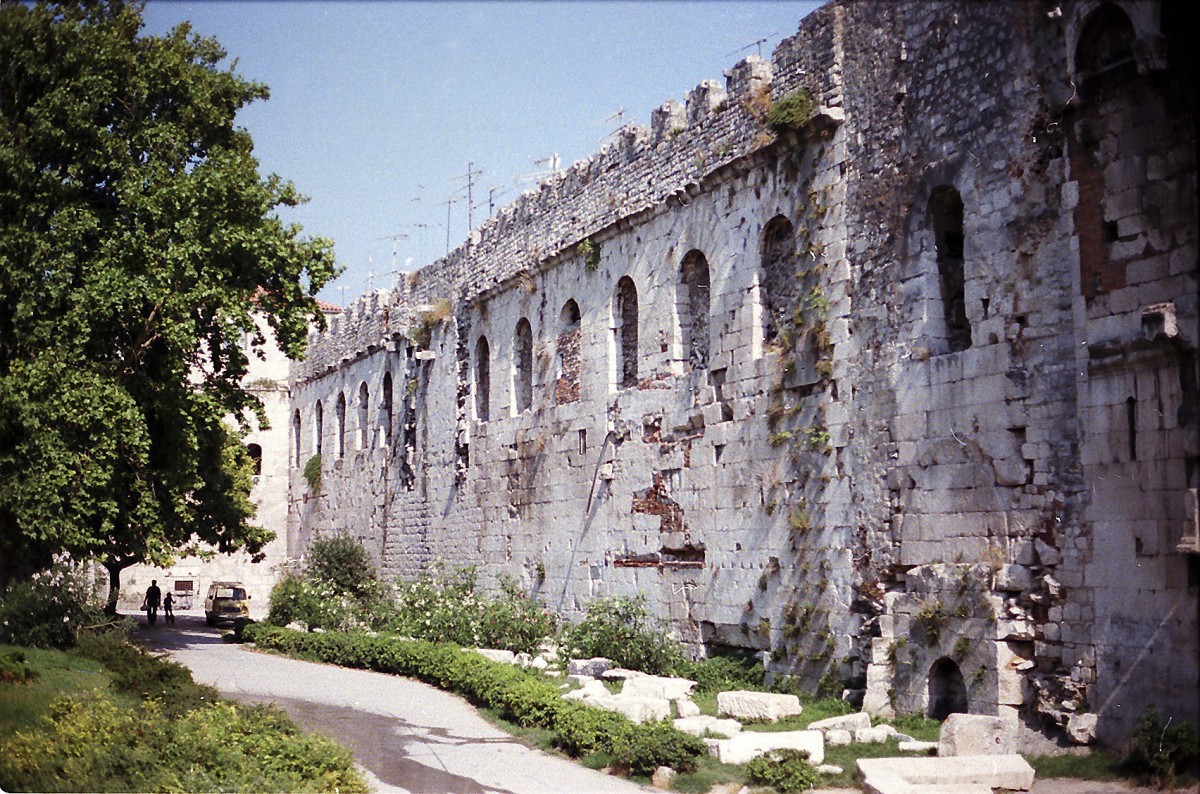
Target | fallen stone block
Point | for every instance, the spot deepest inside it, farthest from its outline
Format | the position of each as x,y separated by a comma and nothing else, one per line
524,660
686,708
620,674
915,746
662,777
658,686
507,657
1081,728
829,769
846,722
959,774
976,734
593,667
590,689
768,706
636,709
877,735
750,744
703,723
838,737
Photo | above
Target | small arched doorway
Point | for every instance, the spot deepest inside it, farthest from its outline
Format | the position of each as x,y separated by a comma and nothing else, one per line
947,690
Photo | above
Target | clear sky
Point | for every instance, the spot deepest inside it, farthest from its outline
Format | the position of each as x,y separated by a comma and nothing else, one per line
377,108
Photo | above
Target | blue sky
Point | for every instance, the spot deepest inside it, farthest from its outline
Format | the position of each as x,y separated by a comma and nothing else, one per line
377,107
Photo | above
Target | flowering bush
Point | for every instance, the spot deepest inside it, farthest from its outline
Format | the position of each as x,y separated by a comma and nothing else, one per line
49,610
622,629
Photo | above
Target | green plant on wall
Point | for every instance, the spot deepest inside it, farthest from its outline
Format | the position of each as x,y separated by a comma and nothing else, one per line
421,334
590,252
792,111
312,473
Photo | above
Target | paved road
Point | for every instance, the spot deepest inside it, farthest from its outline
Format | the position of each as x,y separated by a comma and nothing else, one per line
410,737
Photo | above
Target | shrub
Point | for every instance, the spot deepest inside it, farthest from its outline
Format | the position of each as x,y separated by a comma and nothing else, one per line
621,629
582,730
49,610
13,668
784,770
718,673
1161,751
644,748
343,563
312,473
791,112
136,672
92,744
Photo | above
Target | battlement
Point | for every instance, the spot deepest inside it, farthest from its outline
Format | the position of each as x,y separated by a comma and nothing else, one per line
641,168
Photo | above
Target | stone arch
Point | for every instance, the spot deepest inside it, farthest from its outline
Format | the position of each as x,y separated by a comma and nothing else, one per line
385,408
947,690
778,276
318,427
567,365
364,419
945,216
483,379
625,332
693,308
296,438
340,415
255,453
522,375
1106,43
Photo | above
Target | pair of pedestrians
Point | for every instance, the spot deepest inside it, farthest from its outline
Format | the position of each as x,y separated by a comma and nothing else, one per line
154,598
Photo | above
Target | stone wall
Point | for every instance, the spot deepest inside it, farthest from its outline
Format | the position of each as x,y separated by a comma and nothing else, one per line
903,400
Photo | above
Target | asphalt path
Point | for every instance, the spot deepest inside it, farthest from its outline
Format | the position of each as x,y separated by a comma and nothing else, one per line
407,736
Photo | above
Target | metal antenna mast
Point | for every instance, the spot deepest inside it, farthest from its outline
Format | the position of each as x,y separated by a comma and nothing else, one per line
756,43
450,202
394,238
470,177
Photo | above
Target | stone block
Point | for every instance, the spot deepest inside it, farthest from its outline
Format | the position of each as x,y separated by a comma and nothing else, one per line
876,735
636,709
976,734
915,746
846,722
686,708
591,690
702,723
748,744
961,775
662,778
767,706
594,667
838,737
658,686
1081,728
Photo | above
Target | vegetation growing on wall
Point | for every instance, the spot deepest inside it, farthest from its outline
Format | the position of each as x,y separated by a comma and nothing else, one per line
312,474
791,112
430,318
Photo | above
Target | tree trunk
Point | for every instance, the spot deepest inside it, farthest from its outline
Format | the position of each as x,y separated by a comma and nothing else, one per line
114,586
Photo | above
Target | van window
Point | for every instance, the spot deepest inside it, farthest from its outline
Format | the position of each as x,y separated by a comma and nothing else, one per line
235,593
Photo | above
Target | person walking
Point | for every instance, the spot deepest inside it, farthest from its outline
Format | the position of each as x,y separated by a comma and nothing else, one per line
168,604
152,601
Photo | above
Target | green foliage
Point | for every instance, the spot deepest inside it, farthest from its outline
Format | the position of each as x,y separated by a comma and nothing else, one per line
1161,751
931,618
622,629
719,673
137,673
590,251
312,474
791,112
341,561
780,437
92,744
799,520
442,606
784,770
137,240
48,610
1095,765
582,730
14,669
641,749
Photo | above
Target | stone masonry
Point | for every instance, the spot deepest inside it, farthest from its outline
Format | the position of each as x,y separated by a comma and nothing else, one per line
902,399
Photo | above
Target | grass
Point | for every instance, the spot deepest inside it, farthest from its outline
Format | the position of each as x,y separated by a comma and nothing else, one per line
58,673
540,738
709,772
846,756
1096,765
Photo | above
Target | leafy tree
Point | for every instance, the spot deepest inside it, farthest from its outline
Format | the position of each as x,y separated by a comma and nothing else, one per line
138,244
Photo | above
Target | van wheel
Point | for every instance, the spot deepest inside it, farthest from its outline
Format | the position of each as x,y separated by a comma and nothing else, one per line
210,618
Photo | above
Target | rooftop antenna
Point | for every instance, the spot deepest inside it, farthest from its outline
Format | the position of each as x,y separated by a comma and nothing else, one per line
756,43
492,197
540,176
470,177
450,202
342,289
370,271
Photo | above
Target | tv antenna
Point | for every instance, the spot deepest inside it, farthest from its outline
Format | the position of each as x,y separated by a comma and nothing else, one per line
450,202
756,43
619,115
470,177
492,191
540,176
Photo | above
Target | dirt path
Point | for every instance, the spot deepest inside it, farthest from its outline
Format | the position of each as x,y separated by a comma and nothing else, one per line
410,737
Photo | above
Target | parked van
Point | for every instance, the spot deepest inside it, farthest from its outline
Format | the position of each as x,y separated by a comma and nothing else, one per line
226,601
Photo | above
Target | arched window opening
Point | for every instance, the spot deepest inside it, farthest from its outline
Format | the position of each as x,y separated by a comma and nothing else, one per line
296,438
341,425
483,379
566,383
626,332
779,274
947,690
255,452
693,308
364,420
318,426
946,217
1105,45
385,409
523,366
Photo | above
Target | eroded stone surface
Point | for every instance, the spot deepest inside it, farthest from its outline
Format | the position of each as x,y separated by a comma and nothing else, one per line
768,706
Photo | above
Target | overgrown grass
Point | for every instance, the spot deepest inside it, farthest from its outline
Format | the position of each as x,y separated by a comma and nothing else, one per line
1096,765
58,673
709,772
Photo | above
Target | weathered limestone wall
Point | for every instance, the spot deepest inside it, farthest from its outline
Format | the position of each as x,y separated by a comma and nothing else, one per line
904,401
